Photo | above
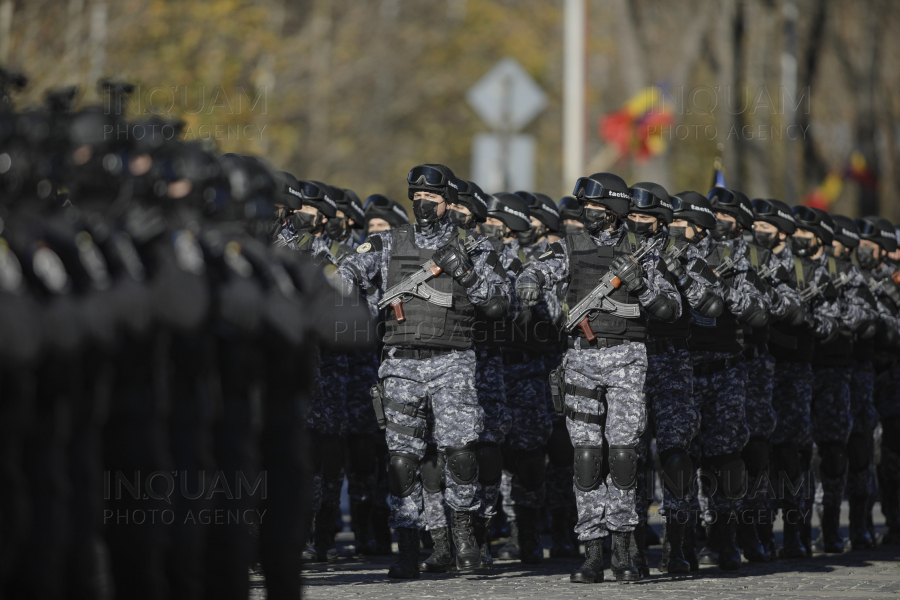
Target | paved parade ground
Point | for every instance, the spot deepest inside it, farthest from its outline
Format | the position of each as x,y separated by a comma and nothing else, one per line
867,574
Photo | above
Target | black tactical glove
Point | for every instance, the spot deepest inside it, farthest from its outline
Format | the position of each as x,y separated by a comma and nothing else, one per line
529,291
630,272
455,263
674,266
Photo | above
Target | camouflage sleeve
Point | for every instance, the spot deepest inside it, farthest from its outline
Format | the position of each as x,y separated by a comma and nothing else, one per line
703,281
744,291
826,313
489,281
656,283
552,267
854,306
366,268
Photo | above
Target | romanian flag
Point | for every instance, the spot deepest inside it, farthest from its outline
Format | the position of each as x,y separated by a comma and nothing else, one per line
636,129
826,193
858,170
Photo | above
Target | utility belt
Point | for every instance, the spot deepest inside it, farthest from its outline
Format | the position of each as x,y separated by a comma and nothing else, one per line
580,343
381,402
518,357
559,389
415,353
707,369
665,346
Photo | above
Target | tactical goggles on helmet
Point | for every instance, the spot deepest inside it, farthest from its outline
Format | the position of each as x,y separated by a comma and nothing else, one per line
866,228
378,201
311,191
764,208
427,175
643,198
589,189
805,215
724,197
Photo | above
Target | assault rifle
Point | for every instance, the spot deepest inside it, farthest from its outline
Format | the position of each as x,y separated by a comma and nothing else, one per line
416,286
598,299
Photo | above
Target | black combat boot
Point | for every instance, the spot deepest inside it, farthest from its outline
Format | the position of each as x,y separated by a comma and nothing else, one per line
748,540
622,565
832,540
639,550
806,534
361,519
382,531
792,547
530,550
309,555
859,533
709,554
765,533
729,554
511,550
689,546
592,569
560,534
407,565
468,556
441,558
483,537
325,545
673,558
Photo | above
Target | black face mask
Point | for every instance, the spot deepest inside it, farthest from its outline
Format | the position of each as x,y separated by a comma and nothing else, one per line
305,221
678,233
803,247
723,229
527,238
640,228
425,212
461,219
336,230
596,220
492,231
572,229
866,257
766,239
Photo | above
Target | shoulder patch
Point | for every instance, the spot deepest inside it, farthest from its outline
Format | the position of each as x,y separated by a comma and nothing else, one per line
363,248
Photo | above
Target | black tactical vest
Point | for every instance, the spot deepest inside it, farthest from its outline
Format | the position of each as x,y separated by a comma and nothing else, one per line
759,257
657,329
426,324
722,333
588,262
795,344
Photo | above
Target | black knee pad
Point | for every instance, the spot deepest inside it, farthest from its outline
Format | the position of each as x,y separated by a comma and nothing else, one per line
331,449
559,448
786,459
588,467
623,466
490,463
432,470
890,433
858,453
531,468
362,453
463,464
834,459
730,473
756,455
403,470
677,470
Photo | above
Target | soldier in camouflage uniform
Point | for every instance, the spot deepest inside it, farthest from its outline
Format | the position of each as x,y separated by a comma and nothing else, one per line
604,376
771,219
791,342
878,244
833,367
428,356
719,376
470,209
674,418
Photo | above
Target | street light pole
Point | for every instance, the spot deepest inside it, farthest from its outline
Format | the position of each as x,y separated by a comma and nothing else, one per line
573,92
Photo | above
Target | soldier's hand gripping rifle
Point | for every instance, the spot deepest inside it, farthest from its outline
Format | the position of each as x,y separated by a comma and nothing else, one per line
598,299
842,280
416,286
724,267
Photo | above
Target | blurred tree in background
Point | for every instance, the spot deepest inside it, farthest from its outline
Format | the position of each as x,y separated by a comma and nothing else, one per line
354,92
